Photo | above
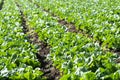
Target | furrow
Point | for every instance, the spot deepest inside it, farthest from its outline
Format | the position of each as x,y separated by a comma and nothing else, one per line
50,72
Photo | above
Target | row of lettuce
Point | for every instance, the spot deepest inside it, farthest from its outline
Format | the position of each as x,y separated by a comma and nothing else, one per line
76,55
98,18
17,56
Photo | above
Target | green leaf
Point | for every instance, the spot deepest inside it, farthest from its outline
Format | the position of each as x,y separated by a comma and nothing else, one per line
89,76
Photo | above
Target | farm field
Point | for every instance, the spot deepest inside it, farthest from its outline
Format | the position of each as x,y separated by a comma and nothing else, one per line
59,40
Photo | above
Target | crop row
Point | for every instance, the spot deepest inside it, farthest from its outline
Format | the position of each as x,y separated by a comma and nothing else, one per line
76,55
17,56
98,18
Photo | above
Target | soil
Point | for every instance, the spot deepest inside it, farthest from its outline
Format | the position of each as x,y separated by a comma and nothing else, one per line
70,26
50,71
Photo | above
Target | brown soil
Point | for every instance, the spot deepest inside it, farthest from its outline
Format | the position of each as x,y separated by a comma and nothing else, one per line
50,72
70,26
115,51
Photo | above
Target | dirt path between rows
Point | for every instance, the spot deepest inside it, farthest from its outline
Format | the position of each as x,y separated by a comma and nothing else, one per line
50,71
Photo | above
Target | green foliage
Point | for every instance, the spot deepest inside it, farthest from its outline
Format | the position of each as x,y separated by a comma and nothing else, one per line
17,56
77,56
98,18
